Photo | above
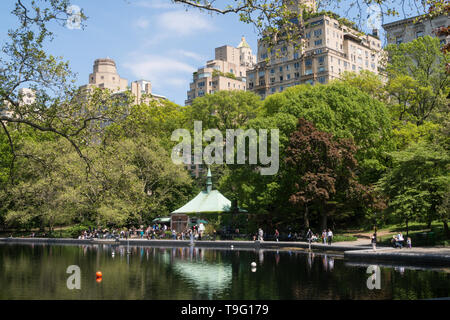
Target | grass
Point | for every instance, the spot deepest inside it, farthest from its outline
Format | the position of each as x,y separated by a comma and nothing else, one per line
343,237
419,233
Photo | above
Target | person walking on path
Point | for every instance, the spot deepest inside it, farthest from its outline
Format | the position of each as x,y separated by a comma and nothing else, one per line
374,242
324,236
277,234
330,236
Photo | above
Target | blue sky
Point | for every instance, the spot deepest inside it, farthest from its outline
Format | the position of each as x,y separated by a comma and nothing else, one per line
149,39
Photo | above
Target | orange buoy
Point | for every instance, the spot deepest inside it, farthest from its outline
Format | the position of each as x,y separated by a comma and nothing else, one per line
99,274
99,279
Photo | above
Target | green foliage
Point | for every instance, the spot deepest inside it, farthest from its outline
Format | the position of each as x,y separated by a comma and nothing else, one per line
342,110
224,109
418,182
418,81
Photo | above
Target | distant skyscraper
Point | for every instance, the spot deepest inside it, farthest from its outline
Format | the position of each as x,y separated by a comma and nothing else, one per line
226,72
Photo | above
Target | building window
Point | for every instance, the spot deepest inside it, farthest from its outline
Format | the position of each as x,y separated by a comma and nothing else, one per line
419,34
272,71
322,80
318,32
399,40
288,76
281,78
318,42
308,62
322,69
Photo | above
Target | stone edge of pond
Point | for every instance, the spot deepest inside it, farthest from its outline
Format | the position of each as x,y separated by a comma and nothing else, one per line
398,256
186,243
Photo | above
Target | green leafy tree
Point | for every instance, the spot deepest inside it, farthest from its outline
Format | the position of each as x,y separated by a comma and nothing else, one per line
418,81
416,186
225,109
342,110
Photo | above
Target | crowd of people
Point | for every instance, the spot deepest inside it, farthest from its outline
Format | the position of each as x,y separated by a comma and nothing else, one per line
398,241
155,231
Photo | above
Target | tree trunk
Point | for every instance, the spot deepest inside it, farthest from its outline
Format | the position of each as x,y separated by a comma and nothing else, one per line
306,217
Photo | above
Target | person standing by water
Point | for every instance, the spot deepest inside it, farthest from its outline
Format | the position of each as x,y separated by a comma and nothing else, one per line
201,229
324,236
260,234
374,241
309,235
408,242
330,236
277,235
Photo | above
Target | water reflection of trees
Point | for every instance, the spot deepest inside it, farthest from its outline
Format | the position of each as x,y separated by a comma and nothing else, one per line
39,272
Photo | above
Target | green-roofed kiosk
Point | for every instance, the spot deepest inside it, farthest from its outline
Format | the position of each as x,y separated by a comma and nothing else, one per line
207,201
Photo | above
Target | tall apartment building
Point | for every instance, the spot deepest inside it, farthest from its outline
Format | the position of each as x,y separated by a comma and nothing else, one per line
105,76
327,49
226,72
407,30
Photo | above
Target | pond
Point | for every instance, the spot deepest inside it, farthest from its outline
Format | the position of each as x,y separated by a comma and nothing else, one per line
39,271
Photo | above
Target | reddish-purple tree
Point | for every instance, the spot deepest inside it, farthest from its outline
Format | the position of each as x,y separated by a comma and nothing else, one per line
321,170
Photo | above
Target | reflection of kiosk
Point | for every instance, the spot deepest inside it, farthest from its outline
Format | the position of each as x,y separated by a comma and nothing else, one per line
207,201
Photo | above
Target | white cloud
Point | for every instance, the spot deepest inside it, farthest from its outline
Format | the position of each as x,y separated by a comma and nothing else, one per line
163,71
155,4
141,23
190,55
182,23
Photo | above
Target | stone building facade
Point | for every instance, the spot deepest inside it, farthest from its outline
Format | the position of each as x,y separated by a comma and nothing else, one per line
327,49
226,72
